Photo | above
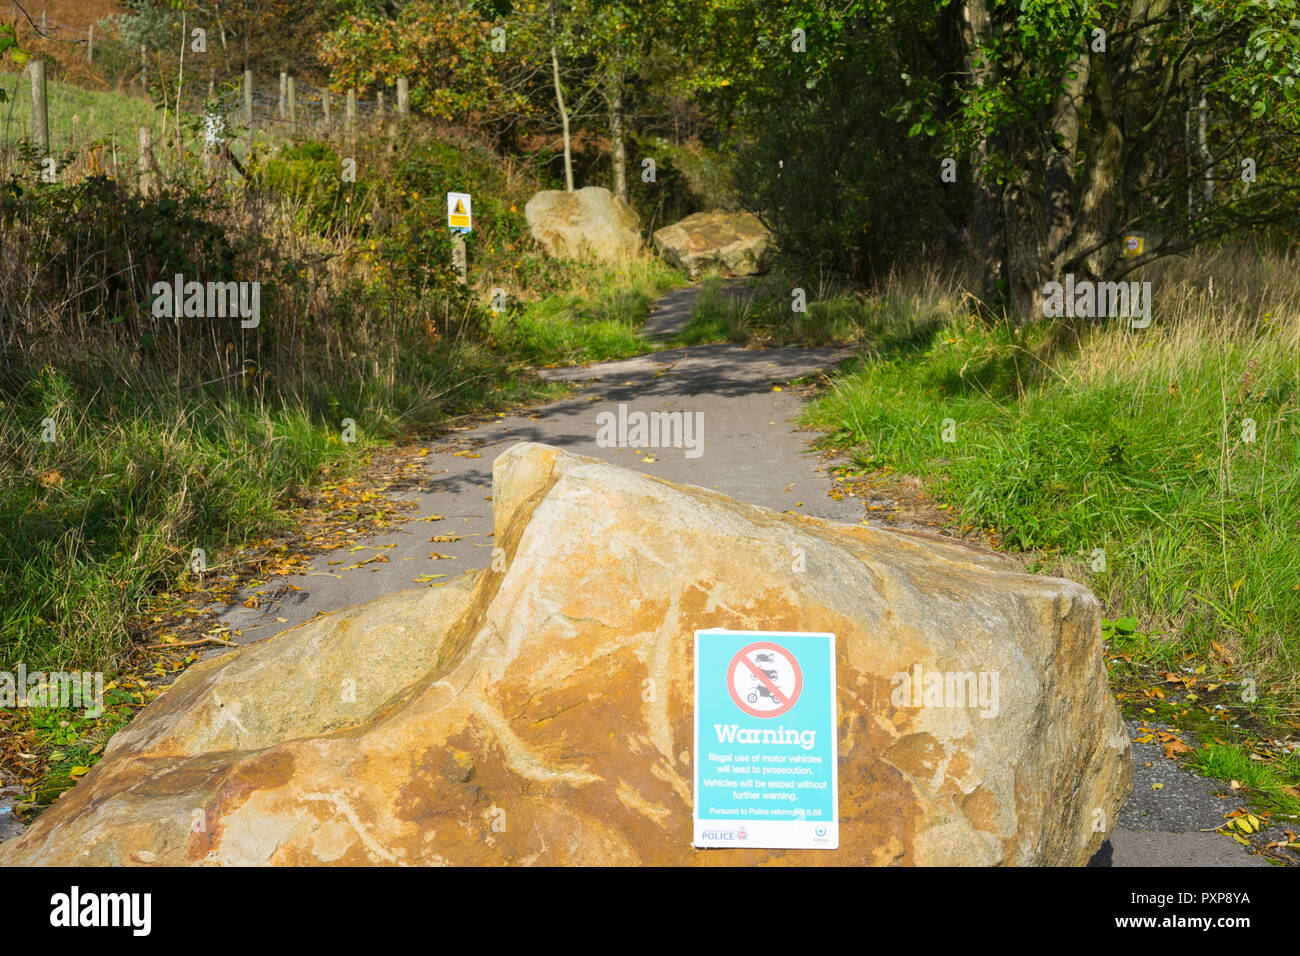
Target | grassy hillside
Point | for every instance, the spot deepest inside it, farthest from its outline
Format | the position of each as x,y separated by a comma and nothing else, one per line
78,117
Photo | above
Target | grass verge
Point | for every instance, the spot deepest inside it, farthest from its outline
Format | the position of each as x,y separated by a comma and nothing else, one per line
1161,467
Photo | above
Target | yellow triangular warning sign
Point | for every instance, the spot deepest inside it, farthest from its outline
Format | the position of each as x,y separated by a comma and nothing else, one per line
460,208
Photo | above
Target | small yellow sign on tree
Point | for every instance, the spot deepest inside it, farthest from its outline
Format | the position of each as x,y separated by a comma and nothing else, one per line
459,211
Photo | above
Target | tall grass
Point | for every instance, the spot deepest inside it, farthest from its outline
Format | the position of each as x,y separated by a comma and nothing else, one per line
110,509
764,312
170,435
596,320
1174,450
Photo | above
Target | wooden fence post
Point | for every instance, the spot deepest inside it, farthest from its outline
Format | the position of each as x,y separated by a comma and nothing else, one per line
146,165
350,113
325,106
459,258
248,97
284,92
403,96
40,108
90,43
291,89
144,70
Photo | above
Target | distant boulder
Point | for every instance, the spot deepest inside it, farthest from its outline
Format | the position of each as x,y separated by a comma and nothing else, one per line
732,242
587,223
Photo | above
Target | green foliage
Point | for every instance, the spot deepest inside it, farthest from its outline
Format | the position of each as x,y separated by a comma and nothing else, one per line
1274,782
105,118
441,47
427,170
147,25
104,246
574,327
265,36
1062,462
840,184
9,45
310,175
109,512
688,179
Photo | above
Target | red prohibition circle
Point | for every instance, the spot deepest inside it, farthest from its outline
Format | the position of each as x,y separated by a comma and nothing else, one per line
741,660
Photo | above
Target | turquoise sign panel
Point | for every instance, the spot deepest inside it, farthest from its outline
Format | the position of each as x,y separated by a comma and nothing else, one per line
765,744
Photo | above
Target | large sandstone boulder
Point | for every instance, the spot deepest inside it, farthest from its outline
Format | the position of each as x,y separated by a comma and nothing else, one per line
503,718
587,223
732,242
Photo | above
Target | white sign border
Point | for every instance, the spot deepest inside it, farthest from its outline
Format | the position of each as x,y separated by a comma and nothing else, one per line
769,839
469,210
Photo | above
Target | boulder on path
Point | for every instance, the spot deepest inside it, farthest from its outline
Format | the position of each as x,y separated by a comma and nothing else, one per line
504,719
732,242
587,223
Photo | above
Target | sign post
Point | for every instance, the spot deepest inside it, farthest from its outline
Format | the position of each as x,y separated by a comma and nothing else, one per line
460,221
766,771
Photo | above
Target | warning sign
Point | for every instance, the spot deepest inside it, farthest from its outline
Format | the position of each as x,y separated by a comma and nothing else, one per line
459,212
765,741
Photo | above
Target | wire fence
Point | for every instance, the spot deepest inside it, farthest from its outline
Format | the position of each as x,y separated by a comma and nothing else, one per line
284,104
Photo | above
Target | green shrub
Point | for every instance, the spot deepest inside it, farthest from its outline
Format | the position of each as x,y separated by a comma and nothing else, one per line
839,182
310,175
95,244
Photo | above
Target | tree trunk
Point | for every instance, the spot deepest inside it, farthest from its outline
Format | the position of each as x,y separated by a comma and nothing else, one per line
1203,151
1036,243
987,233
617,149
564,120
